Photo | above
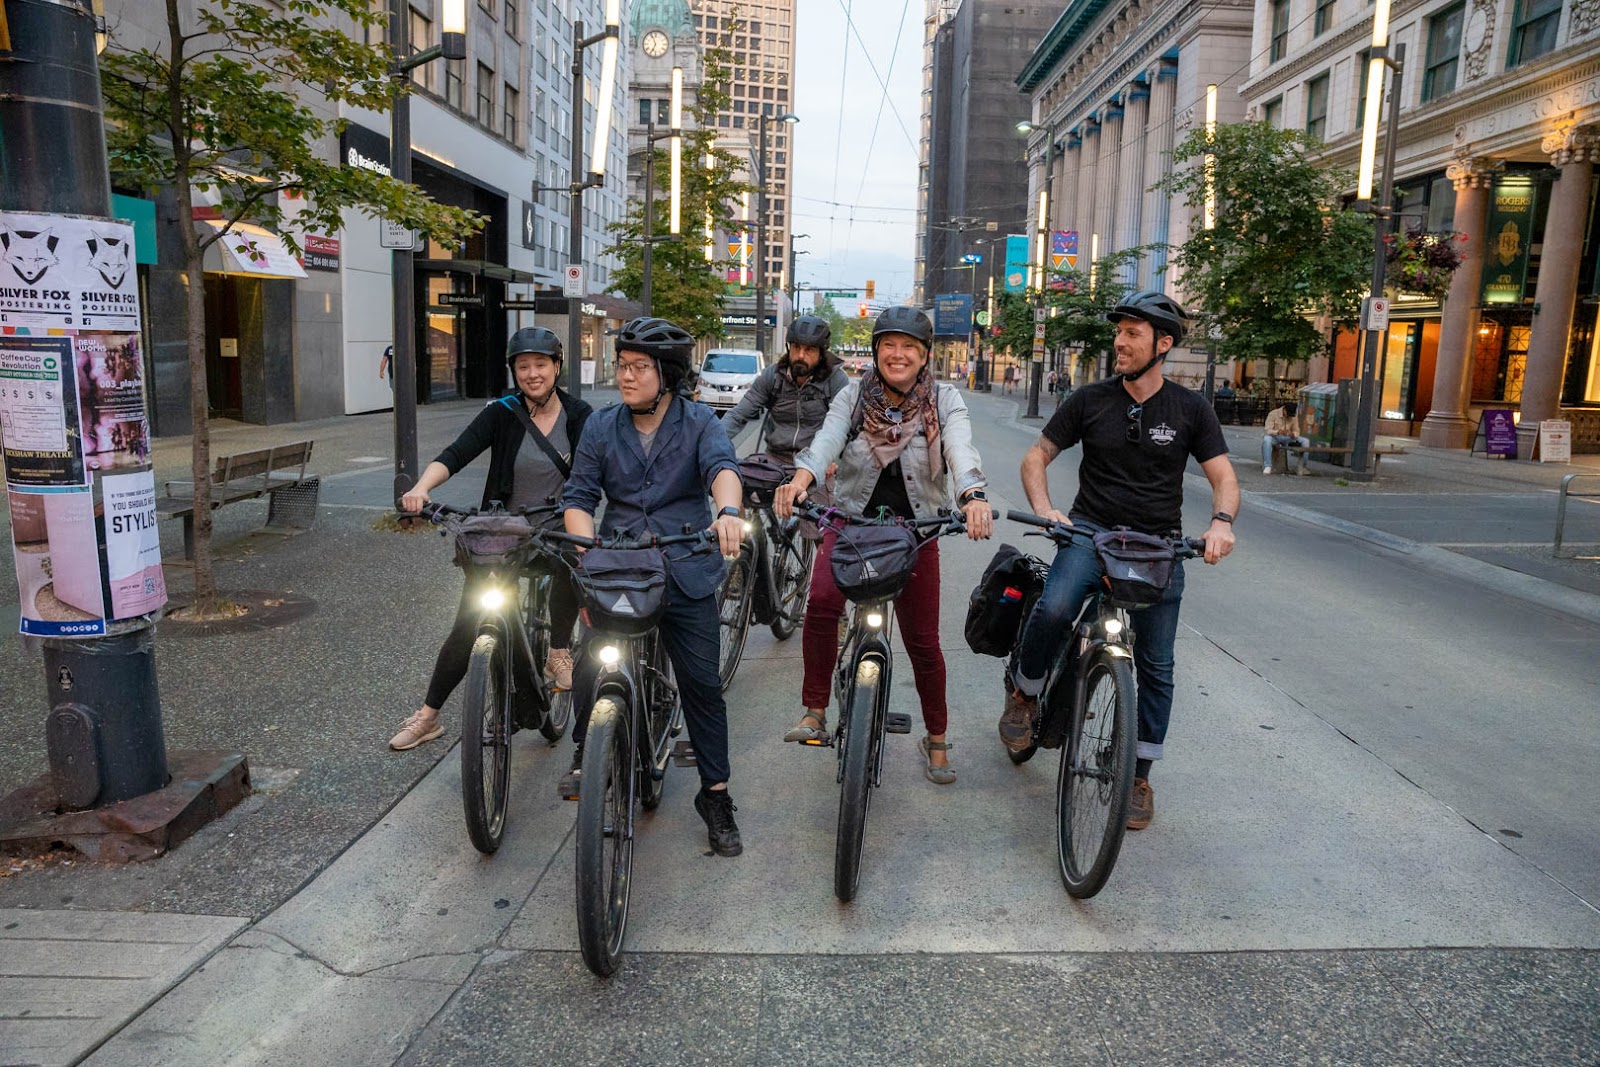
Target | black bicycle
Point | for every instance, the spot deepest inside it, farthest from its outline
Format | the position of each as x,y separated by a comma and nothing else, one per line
505,685
634,715
768,581
1088,710
888,547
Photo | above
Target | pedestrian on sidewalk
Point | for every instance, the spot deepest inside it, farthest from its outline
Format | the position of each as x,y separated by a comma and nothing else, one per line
531,436
386,366
1283,428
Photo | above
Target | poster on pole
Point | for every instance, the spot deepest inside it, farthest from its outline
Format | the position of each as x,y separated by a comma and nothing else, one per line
133,544
66,272
39,433
58,562
116,434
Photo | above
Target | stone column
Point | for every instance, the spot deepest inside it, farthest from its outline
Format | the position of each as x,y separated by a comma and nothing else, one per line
1083,221
1130,174
1447,424
1157,214
1573,152
1106,177
1065,196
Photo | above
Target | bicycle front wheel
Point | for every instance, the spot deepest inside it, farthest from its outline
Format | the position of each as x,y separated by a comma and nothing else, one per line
733,607
857,740
604,844
1096,778
794,583
486,744
558,702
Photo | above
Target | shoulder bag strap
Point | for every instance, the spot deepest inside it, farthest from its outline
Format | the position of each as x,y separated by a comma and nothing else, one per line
540,439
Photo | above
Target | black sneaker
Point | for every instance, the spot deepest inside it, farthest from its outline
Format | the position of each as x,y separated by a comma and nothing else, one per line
716,808
568,786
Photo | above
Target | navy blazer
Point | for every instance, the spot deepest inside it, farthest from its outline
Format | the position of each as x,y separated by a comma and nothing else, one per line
663,494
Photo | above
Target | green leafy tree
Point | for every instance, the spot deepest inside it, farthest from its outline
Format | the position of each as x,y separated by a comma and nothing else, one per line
685,287
235,99
847,331
1076,302
1283,251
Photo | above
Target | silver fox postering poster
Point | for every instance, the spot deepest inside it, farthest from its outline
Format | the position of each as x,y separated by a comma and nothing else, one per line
66,272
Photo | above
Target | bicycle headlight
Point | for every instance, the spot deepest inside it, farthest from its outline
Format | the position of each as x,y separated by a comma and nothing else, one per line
1113,627
875,619
749,527
610,655
492,598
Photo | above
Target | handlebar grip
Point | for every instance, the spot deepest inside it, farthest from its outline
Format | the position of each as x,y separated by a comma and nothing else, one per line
1027,517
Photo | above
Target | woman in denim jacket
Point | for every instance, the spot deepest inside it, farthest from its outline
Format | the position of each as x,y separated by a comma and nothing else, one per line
900,439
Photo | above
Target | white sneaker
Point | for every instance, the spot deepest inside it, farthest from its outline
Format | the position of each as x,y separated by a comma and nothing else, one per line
1266,470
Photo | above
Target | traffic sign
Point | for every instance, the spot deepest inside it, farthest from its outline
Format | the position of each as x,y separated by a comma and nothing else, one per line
395,236
573,283
1375,313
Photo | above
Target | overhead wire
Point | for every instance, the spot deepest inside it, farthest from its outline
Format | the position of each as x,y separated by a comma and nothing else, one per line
838,142
872,140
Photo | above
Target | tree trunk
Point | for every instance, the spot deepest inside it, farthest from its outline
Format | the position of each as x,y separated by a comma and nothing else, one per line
205,579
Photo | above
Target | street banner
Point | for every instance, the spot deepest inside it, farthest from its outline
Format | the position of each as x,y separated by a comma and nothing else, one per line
1499,432
952,315
133,544
39,435
1555,441
66,272
116,434
58,562
1510,231
1016,263
1064,248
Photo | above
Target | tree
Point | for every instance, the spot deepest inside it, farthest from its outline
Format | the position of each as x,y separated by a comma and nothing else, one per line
1076,303
227,101
850,332
1283,250
685,286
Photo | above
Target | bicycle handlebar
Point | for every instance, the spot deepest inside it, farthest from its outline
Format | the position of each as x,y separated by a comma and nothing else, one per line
1185,547
434,511
620,541
953,521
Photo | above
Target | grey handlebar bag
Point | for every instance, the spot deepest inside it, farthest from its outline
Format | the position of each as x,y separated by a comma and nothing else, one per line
1138,566
624,590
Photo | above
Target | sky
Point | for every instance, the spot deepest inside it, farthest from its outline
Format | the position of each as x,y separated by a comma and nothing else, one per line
868,231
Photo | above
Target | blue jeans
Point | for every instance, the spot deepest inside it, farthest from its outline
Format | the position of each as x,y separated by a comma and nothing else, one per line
691,631
1076,573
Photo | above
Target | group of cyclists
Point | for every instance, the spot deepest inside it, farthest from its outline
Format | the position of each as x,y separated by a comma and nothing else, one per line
894,442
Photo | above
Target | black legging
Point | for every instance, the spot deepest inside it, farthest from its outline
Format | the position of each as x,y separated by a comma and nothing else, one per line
456,651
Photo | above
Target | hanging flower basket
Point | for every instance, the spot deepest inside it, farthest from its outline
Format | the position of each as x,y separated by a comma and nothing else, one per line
1423,263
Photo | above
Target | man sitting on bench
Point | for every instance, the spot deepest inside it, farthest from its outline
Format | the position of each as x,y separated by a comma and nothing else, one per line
1283,428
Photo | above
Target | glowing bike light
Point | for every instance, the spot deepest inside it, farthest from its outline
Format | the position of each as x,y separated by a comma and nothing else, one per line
610,655
749,528
874,620
1113,627
492,599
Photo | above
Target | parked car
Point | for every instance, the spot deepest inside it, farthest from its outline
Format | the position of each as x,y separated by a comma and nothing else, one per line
726,375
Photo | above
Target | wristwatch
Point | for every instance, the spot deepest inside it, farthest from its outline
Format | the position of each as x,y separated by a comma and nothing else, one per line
1224,516
730,510
975,494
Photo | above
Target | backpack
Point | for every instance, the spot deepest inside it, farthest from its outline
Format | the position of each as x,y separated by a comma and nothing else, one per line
996,609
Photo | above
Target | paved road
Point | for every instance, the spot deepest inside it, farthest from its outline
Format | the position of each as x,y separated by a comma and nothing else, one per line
1374,840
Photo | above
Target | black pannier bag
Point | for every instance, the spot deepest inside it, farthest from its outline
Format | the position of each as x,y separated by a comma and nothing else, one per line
624,591
761,475
874,562
1138,566
492,540
1008,588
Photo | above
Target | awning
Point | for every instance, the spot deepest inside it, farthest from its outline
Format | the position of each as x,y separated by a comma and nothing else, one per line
478,268
250,250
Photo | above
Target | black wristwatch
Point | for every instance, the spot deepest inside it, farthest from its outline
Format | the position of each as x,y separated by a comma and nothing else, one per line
1224,516
976,494
735,512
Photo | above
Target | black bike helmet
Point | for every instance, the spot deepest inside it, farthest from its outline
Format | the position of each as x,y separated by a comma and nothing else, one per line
903,318
535,339
670,346
810,330
1162,312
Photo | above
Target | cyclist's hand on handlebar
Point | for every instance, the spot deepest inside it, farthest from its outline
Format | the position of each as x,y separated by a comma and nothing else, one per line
413,501
730,533
980,519
787,496
1219,540
1056,515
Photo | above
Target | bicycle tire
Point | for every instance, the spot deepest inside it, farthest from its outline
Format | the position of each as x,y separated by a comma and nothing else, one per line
858,739
486,745
734,601
794,586
1096,777
557,702
659,712
604,875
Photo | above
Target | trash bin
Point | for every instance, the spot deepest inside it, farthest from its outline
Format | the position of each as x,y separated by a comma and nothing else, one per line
1319,404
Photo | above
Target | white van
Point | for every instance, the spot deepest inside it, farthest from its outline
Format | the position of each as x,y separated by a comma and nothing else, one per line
726,375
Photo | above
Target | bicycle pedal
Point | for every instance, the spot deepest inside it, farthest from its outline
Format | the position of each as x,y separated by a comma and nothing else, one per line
825,741
897,722
683,754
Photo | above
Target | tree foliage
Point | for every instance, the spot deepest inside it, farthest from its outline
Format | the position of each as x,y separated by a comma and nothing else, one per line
1076,302
685,287
848,331
1283,251
235,103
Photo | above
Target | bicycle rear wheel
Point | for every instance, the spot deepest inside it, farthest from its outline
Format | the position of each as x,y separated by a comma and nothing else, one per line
486,744
734,601
604,851
558,702
1096,778
856,740
794,583
661,695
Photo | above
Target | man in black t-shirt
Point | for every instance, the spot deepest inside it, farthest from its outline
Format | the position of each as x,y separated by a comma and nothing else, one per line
1138,431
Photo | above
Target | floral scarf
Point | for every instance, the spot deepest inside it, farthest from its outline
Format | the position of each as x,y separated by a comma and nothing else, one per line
889,422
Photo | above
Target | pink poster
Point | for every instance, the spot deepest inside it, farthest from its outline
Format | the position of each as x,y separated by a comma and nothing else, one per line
133,545
116,435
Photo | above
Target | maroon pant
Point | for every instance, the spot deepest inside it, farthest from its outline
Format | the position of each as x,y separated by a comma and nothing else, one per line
916,617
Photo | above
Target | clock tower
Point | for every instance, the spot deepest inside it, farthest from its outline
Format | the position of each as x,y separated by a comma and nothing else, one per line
662,36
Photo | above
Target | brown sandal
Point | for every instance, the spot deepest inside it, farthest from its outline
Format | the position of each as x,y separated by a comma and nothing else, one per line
810,735
945,775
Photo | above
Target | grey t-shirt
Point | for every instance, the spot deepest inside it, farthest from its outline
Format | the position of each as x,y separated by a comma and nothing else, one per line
647,441
535,478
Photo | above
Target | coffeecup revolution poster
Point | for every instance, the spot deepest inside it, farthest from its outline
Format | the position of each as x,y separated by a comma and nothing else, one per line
39,434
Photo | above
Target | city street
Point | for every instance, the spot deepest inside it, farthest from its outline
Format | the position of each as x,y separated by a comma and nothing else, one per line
1374,839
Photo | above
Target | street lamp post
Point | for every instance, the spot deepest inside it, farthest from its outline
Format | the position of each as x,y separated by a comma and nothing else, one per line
794,278
403,361
761,225
597,168
675,135
1036,372
1211,224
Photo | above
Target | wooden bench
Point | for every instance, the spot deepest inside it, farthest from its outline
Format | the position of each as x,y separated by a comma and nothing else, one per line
278,472
1330,450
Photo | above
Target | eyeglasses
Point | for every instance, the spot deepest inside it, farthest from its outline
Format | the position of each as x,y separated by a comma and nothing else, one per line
1135,422
635,369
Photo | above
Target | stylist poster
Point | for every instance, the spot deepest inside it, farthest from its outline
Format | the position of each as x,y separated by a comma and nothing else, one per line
133,547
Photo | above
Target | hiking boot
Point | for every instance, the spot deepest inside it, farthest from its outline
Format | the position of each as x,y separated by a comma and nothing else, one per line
415,731
716,808
1016,724
1141,804
558,668
568,786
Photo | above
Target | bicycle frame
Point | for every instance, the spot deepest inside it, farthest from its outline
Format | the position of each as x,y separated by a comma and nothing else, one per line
503,617
1091,633
866,641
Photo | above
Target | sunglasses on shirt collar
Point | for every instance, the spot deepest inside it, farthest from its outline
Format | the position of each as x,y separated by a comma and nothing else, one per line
1135,422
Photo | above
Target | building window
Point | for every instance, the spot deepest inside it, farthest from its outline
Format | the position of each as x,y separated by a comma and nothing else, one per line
485,97
487,5
1363,59
454,70
512,107
1317,107
1272,113
644,111
1280,30
1444,51
513,18
663,112
1324,17
422,38
1533,31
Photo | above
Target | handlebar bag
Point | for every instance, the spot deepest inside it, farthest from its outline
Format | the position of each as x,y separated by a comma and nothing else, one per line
624,590
874,562
761,475
492,540
999,602
1138,566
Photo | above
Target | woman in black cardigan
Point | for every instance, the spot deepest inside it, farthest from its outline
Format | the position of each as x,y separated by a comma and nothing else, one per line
523,471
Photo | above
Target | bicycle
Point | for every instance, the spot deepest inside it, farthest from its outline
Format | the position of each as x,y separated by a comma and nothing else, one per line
768,581
1088,710
862,680
505,685
634,715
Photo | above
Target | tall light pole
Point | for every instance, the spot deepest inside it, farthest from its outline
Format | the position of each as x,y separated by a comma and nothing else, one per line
596,172
675,135
761,224
1036,367
1211,224
1382,211
452,46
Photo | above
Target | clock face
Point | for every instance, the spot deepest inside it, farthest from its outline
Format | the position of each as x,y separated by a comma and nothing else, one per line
655,44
